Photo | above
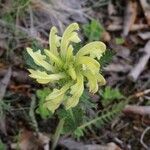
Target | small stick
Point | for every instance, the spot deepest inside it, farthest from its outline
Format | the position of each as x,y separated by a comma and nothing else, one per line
139,67
139,94
134,27
3,86
133,109
142,137
130,16
140,110
146,8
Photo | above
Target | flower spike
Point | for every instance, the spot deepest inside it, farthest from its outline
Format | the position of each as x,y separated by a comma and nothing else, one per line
70,71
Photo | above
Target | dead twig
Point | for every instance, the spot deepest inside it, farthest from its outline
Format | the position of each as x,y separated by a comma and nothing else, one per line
134,27
144,35
73,145
134,109
130,16
19,76
139,94
139,67
32,28
139,110
142,137
146,8
3,85
23,30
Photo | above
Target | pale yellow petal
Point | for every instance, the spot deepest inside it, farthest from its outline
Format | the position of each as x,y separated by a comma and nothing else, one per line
54,41
69,54
94,49
101,80
43,78
39,59
89,63
72,72
92,81
59,92
76,91
69,36
54,99
53,58
53,104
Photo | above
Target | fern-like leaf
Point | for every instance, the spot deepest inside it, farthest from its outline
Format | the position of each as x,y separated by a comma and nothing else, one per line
110,95
100,121
106,58
73,118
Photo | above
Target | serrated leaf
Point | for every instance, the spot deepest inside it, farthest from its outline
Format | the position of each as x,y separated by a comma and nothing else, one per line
73,118
78,133
109,94
99,121
86,101
94,30
106,58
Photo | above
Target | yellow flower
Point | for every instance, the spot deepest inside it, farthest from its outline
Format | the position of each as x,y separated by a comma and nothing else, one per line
70,71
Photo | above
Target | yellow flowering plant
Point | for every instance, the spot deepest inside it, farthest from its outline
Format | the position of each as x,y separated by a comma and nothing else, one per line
68,70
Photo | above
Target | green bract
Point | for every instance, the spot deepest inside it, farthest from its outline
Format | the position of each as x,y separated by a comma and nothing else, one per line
68,70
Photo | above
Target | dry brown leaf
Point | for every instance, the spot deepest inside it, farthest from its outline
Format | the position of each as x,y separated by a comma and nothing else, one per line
31,141
106,37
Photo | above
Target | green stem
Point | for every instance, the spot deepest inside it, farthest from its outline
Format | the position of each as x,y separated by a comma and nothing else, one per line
72,115
57,133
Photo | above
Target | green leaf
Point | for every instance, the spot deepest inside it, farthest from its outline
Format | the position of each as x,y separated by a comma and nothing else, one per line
86,102
2,146
4,107
78,133
109,94
93,31
119,40
105,118
106,58
73,118
43,111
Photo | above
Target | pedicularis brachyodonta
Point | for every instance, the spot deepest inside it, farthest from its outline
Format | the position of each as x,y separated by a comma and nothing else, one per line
70,71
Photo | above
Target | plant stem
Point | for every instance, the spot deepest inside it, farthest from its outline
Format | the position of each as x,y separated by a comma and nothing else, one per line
32,114
57,133
72,115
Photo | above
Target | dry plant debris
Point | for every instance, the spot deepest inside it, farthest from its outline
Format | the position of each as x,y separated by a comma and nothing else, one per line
3,85
146,8
130,16
139,67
